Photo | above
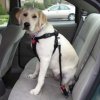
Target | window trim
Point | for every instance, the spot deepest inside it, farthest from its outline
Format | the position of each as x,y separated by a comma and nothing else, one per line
14,3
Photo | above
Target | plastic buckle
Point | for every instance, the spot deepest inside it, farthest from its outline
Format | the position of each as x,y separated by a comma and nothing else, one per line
64,91
34,42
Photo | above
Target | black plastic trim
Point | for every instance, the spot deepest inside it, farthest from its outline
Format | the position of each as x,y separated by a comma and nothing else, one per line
95,3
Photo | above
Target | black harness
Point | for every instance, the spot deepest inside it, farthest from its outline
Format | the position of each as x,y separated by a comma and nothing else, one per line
35,40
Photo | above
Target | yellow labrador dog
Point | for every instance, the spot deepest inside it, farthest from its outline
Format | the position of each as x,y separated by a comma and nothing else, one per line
35,23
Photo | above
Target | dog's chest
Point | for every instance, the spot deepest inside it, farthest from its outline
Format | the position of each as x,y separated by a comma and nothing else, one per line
44,47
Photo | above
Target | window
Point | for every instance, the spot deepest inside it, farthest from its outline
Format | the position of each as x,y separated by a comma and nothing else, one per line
3,13
53,9
62,7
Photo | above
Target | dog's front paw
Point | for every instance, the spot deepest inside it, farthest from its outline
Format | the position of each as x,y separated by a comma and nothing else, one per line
34,91
31,76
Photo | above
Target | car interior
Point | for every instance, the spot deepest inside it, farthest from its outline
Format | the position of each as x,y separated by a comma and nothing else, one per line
17,59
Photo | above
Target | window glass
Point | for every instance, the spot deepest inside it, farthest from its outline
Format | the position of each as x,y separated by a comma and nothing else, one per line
64,7
3,16
53,9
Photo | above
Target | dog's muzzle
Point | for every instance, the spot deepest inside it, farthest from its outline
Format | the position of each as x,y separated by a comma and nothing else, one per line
26,25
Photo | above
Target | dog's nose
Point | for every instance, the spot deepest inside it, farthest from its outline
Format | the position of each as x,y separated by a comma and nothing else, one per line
26,25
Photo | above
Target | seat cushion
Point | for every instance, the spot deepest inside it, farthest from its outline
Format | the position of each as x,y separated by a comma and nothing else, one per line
50,90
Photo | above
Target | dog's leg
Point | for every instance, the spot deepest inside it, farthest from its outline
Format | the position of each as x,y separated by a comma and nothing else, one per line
44,63
66,79
36,72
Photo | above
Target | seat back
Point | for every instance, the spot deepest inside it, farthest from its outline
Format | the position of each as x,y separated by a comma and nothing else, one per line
86,38
10,39
88,74
84,41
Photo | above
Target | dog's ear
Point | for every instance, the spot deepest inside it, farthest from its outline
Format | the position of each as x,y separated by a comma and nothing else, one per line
42,18
17,15
41,21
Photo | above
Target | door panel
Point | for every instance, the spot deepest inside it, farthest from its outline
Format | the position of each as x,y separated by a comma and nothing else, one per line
25,50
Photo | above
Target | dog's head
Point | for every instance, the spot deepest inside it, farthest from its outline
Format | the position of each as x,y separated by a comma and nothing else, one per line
31,19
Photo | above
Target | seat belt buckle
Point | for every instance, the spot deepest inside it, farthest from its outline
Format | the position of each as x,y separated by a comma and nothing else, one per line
34,42
64,91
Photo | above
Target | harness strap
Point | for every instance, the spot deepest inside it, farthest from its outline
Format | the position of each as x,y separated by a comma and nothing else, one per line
56,41
59,48
47,35
62,87
35,52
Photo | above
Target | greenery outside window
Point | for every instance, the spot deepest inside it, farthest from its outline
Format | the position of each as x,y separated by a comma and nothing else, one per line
3,15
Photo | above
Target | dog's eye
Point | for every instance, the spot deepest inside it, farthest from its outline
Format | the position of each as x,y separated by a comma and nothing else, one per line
25,14
34,16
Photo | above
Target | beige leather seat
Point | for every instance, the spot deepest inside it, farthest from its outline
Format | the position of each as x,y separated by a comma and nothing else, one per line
87,34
